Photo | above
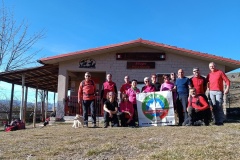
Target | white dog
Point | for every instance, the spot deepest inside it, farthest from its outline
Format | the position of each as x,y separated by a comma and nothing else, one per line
78,121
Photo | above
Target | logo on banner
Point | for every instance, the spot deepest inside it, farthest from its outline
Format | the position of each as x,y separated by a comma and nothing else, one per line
155,105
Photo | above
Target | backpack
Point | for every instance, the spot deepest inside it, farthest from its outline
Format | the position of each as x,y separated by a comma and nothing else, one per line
83,84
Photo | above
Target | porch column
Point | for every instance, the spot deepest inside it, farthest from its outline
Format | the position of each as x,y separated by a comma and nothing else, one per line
62,92
46,106
11,104
25,105
22,102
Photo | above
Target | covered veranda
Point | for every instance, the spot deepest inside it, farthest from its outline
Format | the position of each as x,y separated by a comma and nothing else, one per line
43,78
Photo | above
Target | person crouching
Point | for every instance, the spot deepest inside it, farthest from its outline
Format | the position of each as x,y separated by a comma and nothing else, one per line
110,110
197,109
126,112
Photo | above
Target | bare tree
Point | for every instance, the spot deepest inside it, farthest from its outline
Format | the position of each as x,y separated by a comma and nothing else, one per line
15,43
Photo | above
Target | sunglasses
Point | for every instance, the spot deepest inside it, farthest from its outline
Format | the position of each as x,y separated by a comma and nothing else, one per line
146,81
196,71
87,76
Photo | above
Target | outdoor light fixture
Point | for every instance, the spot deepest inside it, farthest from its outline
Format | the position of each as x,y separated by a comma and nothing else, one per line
162,56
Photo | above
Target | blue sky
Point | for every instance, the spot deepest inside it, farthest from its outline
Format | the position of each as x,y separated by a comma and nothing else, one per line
209,26
206,26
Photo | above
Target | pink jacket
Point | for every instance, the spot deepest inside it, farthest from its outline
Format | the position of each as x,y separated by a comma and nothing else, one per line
132,95
127,106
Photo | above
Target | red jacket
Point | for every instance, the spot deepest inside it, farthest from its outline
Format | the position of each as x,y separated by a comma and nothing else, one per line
87,90
125,87
203,105
216,79
108,87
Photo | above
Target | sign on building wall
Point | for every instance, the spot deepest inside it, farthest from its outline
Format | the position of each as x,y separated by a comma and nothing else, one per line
155,109
87,63
140,65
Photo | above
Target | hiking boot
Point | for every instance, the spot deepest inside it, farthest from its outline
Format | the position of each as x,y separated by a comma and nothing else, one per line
219,124
94,125
106,125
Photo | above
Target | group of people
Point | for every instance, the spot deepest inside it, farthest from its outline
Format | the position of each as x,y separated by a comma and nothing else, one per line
189,99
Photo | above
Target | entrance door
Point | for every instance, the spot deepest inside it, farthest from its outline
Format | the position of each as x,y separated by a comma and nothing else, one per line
72,107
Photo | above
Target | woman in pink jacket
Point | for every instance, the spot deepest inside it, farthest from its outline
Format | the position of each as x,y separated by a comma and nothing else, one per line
132,94
148,86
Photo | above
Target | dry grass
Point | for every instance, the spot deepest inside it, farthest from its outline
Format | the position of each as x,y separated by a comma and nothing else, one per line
61,141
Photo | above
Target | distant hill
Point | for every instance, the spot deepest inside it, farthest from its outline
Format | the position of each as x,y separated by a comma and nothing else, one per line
234,93
234,77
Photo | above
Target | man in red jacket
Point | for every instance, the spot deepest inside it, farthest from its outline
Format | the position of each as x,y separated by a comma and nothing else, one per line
215,84
86,97
197,108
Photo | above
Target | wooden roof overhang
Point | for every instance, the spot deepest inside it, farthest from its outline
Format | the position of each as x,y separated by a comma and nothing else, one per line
43,77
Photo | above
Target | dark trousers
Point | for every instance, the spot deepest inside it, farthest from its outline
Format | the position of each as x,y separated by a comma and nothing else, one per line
86,104
195,116
208,111
135,115
182,102
123,119
113,120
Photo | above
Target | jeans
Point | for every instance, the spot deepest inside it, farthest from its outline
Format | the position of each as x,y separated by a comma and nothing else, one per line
217,101
123,119
200,115
86,104
182,102
114,120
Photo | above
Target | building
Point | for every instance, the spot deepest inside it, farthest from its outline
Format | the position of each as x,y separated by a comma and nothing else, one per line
138,59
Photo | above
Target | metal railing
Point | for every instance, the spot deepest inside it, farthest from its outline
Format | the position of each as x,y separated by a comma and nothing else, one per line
72,107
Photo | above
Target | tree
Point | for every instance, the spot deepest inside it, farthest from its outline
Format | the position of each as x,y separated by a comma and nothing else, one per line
15,43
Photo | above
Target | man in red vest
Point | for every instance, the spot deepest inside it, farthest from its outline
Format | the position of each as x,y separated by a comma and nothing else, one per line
108,86
86,97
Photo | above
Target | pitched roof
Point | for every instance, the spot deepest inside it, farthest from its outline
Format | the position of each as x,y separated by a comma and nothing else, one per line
230,64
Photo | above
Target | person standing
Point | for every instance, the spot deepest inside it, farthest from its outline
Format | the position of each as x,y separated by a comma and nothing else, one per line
132,94
86,97
172,77
125,86
167,85
154,82
108,86
182,86
148,87
215,85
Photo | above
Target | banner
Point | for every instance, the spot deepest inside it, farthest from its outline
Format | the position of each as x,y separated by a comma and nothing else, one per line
155,109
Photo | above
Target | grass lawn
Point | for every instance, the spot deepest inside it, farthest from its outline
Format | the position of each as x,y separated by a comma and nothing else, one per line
61,141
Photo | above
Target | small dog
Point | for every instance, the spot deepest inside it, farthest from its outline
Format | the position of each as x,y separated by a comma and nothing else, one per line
78,121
